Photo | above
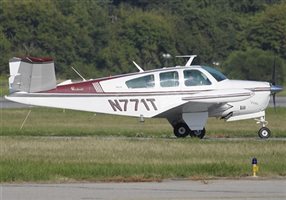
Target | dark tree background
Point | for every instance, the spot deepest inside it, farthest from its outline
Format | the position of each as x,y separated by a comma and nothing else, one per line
102,37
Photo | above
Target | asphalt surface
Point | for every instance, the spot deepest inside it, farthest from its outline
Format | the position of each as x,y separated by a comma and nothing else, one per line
214,189
280,102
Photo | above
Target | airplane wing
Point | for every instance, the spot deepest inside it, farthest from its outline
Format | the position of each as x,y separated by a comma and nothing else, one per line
207,101
220,96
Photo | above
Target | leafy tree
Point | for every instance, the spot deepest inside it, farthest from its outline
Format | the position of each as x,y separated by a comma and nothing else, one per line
254,64
150,34
140,36
5,46
268,30
103,37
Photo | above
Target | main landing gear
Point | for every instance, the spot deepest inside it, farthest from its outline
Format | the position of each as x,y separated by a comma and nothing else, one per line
182,130
264,132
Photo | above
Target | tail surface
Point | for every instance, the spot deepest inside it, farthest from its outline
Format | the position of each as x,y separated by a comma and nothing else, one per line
31,74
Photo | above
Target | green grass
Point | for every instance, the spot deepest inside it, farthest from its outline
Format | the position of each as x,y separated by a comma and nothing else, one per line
64,159
63,146
4,88
57,122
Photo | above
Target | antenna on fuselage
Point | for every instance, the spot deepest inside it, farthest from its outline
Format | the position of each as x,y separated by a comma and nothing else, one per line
138,67
191,58
78,74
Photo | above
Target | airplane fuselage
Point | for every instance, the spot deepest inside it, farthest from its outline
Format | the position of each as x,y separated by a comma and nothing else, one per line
111,95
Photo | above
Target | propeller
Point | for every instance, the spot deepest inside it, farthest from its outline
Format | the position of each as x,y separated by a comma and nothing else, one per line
273,81
274,88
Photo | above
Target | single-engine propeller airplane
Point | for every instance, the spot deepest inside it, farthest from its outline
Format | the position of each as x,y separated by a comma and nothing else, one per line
185,95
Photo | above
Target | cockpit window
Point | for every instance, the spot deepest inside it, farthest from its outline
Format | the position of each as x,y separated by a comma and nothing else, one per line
195,78
169,79
141,82
215,73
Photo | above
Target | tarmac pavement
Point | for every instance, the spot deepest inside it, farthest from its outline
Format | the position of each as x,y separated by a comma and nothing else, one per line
252,188
280,102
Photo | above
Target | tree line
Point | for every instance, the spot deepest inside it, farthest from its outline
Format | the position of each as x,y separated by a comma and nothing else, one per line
103,37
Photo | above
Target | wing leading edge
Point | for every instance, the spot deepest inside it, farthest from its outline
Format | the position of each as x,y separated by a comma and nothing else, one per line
220,96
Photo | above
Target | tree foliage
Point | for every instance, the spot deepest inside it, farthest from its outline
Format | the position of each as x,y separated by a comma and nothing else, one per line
103,37
254,64
268,30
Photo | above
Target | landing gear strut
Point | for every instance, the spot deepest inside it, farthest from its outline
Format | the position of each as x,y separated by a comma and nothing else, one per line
264,132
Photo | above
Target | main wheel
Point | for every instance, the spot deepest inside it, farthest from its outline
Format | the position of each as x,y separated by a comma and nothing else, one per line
181,130
198,133
264,133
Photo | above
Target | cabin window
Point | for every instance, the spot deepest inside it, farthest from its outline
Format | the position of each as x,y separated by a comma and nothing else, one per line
215,73
195,78
141,82
169,79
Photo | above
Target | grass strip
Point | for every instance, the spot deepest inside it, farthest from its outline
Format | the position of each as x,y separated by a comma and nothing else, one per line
57,122
63,159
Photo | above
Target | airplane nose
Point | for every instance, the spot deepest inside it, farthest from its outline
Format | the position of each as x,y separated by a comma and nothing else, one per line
275,88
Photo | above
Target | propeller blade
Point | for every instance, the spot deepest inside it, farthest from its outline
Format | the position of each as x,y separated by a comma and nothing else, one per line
274,101
273,81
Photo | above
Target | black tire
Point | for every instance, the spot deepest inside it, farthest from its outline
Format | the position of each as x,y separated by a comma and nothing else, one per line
264,133
198,133
181,130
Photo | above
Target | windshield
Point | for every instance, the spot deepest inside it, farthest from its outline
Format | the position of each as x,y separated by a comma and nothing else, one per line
215,73
195,77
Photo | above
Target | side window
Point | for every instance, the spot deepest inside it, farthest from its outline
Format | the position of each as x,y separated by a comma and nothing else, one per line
195,78
141,82
169,79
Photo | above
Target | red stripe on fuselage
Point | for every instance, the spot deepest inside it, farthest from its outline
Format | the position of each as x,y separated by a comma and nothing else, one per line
81,87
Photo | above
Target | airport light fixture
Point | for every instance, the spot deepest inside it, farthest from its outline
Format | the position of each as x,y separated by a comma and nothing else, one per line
254,167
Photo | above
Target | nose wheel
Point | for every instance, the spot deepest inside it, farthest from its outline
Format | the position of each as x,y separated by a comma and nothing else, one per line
264,132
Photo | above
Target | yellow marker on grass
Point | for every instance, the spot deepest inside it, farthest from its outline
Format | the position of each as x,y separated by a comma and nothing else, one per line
255,167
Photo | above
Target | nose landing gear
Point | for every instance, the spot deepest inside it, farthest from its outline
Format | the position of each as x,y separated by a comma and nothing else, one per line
263,132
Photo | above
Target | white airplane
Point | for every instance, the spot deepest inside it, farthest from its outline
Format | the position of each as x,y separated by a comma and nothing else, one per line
185,95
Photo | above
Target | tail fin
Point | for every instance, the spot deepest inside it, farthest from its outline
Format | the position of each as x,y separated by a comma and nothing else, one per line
31,74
